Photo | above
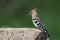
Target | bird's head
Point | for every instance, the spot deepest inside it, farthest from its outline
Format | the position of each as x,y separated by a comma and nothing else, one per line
33,12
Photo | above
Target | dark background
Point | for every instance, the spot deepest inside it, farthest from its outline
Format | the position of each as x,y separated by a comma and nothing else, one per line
15,13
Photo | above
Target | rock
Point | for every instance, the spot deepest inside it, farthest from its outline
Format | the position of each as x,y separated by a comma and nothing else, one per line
21,34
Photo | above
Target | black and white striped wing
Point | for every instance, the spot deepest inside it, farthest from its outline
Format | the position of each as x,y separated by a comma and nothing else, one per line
37,23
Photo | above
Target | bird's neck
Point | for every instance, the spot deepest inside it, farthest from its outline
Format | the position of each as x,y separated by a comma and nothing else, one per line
34,16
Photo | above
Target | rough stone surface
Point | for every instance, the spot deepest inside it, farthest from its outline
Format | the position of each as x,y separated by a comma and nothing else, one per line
19,34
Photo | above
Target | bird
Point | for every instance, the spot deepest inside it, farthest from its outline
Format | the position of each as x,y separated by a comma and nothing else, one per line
37,21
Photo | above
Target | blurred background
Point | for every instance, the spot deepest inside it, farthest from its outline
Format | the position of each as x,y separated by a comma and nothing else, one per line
15,13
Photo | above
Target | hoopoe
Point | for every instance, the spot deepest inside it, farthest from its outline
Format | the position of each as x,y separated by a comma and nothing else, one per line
37,22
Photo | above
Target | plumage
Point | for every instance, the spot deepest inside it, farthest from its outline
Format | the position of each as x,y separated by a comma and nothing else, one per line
37,22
